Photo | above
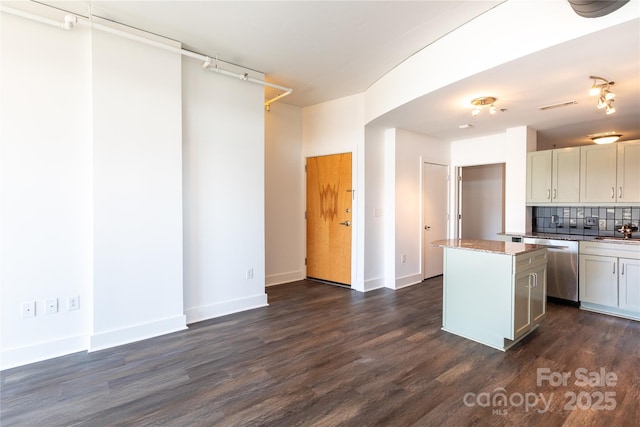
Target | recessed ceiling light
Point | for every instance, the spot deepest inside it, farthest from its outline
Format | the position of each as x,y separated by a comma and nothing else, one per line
465,126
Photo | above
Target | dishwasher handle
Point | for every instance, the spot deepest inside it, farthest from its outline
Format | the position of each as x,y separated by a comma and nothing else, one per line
545,242
562,248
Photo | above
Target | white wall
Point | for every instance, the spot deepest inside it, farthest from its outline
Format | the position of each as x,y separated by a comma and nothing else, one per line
99,196
338,127
374,208
45,188
411,151
137,181
284,195
224,184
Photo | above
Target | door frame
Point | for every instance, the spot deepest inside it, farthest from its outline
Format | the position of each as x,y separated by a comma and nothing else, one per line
458,197
422,213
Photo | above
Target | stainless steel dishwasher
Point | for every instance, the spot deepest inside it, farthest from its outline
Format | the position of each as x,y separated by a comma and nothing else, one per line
562,267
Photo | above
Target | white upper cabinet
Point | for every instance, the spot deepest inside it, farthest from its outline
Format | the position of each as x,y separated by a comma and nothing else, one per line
553,176
588,174
539,176
610,173
598,173
566,175
628,181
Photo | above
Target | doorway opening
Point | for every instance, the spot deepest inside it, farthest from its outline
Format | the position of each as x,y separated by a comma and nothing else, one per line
481,198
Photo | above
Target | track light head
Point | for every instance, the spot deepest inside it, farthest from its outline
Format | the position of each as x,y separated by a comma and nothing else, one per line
610,108
608,95
602,88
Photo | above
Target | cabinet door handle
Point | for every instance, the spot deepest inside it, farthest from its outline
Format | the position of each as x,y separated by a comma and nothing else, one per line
548,193
620,192
622,269
555,193
613,192
614,268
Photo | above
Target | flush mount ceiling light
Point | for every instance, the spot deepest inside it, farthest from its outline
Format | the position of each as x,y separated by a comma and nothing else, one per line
605,137
602,89
478,103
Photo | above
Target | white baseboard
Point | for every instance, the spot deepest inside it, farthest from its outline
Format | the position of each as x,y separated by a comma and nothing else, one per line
279,279
198,314
134,333
372,284
403,282
42,351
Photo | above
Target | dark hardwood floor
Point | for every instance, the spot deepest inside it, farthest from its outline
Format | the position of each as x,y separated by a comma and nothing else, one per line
327,356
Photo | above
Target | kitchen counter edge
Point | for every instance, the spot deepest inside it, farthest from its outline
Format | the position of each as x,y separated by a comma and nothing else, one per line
490,246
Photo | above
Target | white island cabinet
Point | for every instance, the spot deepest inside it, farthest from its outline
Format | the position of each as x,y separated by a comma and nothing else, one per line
494,292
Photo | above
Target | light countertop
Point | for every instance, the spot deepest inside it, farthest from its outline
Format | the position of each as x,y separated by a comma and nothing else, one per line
492,246
551,236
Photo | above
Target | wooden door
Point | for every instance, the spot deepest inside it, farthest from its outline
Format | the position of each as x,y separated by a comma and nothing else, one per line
434,203
329,209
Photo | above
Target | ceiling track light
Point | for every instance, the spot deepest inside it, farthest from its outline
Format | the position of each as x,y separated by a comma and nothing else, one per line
602,89
478,103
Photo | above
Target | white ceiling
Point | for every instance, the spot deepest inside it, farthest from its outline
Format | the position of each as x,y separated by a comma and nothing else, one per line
330,49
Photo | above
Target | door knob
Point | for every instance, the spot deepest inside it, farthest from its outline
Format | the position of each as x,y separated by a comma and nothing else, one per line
426,227
346,223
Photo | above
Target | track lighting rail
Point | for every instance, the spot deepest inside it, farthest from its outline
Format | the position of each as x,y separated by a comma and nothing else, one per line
71,20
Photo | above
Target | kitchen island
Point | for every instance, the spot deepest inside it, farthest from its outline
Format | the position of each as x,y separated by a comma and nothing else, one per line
494,292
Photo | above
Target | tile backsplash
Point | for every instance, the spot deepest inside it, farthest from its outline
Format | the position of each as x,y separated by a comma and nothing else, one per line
587,221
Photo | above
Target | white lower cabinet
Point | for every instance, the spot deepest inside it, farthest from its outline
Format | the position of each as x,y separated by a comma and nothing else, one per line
629,284
609,278
529,305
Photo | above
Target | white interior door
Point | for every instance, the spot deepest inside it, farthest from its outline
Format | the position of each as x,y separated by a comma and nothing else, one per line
435,216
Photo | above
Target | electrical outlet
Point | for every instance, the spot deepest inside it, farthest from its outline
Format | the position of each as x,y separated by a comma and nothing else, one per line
73,303
403,258
51,305
249,273
28,309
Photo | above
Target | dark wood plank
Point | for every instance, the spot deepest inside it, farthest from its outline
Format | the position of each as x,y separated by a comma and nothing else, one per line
326,356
